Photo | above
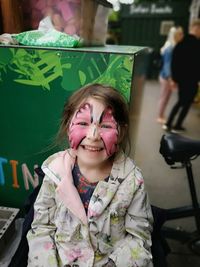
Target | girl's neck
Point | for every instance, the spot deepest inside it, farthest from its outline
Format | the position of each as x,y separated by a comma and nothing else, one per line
95,173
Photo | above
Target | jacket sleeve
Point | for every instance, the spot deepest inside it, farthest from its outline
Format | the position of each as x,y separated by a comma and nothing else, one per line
42,250
176,63
134,249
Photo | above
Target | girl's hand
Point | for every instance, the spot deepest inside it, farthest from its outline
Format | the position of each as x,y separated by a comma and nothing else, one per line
110,263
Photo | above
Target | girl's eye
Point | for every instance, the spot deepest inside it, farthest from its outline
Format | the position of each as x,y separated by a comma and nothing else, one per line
106,126
82,123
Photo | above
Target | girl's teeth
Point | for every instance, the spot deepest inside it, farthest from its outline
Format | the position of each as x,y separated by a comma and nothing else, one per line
92,148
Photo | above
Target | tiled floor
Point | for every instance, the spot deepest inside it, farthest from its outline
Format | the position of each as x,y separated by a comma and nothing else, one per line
168,188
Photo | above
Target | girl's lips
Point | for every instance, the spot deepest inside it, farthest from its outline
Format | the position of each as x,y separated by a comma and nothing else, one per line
92,148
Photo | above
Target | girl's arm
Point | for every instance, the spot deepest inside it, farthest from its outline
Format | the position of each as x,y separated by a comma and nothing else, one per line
134,249
42,250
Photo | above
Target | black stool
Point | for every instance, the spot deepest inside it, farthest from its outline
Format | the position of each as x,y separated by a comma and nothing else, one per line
178,149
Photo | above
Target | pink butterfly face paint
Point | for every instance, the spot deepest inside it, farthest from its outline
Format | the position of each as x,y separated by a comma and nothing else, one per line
92,122
79,125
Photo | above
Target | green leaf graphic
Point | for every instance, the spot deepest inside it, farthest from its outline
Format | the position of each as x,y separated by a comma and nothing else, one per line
85,68
119,74
38,68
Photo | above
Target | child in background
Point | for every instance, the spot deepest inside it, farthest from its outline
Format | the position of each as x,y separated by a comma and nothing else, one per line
175,35
92,208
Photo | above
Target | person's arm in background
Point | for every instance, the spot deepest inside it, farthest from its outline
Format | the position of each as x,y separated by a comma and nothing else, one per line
134,249
176,63
42,250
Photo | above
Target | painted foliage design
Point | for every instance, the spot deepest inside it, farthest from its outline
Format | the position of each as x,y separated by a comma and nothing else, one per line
37,67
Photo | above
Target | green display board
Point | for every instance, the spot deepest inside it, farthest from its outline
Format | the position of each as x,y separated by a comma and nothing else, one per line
34,84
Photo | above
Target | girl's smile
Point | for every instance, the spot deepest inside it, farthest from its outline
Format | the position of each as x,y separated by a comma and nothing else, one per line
92,148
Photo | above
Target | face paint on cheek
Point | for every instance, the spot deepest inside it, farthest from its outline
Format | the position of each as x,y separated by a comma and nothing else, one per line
79,126
110,138
76,135
109,132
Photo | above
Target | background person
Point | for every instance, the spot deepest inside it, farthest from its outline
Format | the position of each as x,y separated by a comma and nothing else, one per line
175,35
186,74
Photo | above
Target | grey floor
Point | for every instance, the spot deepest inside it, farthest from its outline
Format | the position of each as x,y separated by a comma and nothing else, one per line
167,188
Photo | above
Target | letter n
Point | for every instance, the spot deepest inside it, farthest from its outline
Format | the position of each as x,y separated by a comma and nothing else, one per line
28,177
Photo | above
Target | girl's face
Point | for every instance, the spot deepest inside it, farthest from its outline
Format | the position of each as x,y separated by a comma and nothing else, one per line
93,131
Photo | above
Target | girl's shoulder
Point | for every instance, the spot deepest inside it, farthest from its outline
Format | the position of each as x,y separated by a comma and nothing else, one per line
59,157
125,167
55,166
51,158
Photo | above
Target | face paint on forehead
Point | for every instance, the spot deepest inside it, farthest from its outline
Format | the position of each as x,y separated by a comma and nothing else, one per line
84,112
97,111
107,116
94,113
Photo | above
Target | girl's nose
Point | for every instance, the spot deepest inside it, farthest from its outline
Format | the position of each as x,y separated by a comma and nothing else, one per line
93,133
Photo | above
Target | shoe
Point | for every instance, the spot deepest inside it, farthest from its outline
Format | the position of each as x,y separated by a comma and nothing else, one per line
161,120
178,129
166,128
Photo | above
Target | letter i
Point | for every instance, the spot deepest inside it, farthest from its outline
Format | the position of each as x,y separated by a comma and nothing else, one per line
14,163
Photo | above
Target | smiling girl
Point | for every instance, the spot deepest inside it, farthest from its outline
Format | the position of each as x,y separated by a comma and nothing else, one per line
92,209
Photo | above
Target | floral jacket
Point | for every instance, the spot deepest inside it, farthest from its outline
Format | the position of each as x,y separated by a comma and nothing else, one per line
118,224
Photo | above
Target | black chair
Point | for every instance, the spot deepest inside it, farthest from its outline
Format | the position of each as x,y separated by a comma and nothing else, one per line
160,248
177,149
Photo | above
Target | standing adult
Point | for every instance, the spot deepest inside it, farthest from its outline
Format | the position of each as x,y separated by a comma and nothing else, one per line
185,69
175,35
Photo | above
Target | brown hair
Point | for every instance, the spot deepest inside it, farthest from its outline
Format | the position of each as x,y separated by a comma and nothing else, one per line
110,97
